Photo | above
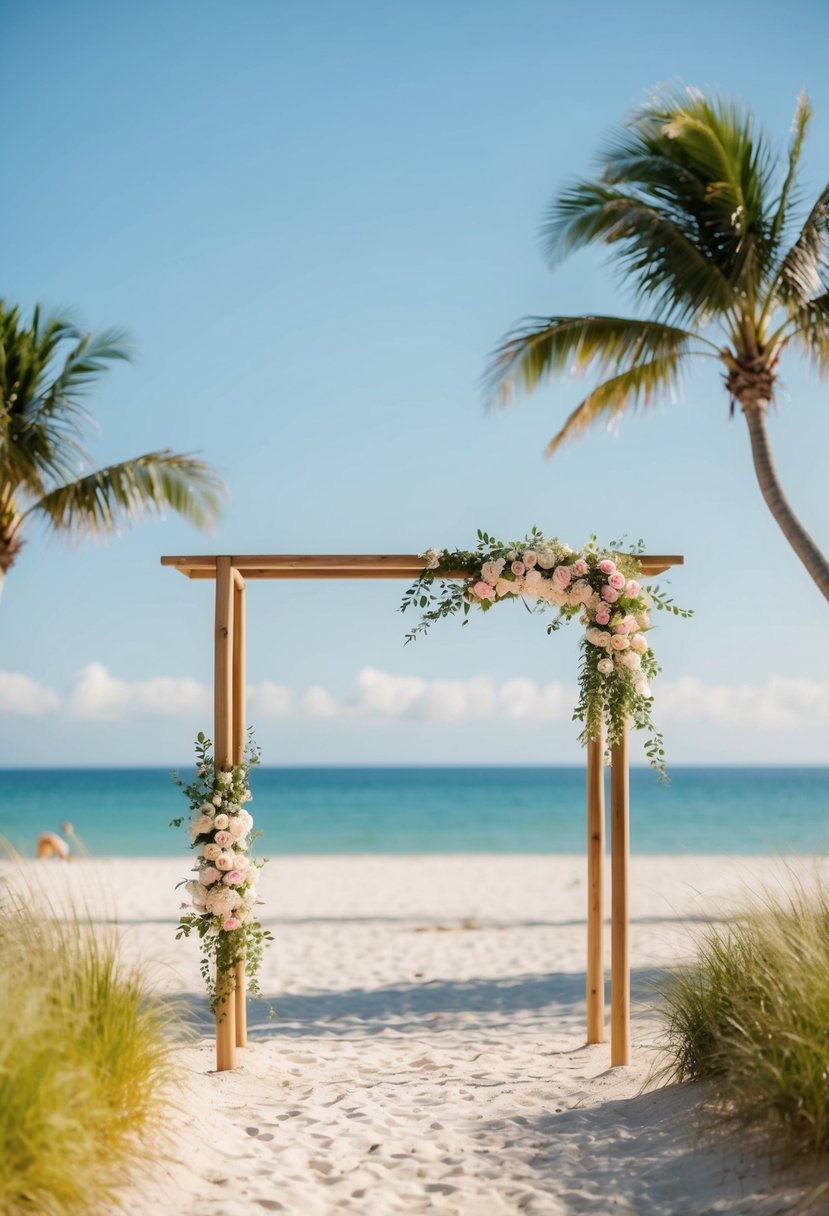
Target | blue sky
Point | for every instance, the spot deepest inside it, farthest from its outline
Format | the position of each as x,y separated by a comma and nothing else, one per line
315,220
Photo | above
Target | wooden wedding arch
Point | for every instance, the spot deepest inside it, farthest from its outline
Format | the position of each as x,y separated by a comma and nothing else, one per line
231,574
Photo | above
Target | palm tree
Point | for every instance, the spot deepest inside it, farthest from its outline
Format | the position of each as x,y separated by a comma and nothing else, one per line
46,473
699,216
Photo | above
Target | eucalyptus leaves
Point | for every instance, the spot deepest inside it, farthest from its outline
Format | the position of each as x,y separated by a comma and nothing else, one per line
223,893
598,585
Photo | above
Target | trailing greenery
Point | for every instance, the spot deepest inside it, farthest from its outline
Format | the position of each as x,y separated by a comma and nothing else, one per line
223,892
86,1065
706,224
597,585
47,368
752,1016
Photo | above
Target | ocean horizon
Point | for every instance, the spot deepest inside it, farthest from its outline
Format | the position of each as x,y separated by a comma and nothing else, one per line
733,809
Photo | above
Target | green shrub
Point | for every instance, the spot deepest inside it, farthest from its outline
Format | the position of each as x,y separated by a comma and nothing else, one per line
86,1065
752,1015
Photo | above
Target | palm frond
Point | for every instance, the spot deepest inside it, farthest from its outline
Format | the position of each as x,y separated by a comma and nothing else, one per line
800,125
103,500
802,270
599,344
666,264
632,387
811,331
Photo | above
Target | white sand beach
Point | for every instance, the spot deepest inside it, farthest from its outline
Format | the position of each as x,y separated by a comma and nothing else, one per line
427,1053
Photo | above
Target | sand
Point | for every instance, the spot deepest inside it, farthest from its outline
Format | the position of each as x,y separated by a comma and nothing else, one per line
427,1053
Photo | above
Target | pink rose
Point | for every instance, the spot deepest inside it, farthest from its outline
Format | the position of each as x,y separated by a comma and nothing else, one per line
483,591
607,566
617,580
232,923
632,588
561,577
579,567
223,838
610,595
530,559
532,578
225,862
603,614
208,876
518,568
234,879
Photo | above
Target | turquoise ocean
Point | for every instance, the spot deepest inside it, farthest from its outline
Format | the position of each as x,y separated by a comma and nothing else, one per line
126,812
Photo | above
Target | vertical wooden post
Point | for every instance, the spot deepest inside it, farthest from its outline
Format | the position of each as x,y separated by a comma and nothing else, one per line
595,890
223,755
620,903
238,750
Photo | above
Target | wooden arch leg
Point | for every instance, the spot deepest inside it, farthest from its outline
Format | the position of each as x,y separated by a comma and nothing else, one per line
620,903
595,890
223,757
238,757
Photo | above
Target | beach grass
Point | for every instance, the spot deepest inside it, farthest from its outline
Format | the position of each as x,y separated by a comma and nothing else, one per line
87,1070
752,1016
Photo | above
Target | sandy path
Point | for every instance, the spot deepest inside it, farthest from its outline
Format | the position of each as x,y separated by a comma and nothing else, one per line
428,1050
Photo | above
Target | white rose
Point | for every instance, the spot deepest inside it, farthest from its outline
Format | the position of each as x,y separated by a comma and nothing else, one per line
221,822
221,901
211,851
639,643
225,861
491,571
236,827
546,557
217,800
630,659
619,641
207,808
224,778
605,666
643,620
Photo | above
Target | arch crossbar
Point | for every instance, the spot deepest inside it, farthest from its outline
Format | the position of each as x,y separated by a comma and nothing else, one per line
230,573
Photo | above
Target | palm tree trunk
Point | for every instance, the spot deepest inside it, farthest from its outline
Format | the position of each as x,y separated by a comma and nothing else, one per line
776,501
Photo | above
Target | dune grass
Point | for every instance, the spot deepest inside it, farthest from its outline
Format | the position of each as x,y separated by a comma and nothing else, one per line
86,1065
752,1016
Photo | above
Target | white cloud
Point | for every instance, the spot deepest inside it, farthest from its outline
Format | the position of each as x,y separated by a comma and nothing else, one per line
97,694
21,695
780,703
270,700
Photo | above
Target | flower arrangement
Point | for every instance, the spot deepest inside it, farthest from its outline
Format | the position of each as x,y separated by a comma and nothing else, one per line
600,586
223,893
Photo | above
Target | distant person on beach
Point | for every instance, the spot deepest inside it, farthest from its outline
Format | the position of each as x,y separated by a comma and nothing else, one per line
49,844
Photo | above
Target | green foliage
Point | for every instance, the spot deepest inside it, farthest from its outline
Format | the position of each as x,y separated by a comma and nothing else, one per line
696,212
751,1016
86,1065
611,692
210,793
47,368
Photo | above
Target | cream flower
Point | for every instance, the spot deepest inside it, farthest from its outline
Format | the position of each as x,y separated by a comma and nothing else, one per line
639,643
220,821
620,641
605,666
211,851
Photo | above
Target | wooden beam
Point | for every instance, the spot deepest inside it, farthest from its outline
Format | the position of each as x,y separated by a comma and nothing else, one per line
595,890
345,565
620,903
223,758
